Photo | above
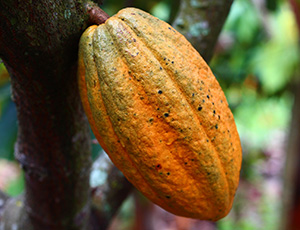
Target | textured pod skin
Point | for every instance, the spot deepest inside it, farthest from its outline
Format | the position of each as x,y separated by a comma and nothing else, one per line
158,111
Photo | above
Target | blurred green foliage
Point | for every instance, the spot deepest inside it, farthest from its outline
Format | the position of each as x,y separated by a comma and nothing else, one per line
256,62
256,67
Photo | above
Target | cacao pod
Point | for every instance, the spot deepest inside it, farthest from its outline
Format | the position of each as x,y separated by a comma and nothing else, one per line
158,111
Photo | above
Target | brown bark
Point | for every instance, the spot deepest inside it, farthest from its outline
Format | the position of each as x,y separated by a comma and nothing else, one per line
290,214
201,21
38,44
291,194
296,7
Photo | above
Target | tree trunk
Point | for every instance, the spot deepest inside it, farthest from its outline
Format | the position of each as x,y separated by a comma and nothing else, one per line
38,44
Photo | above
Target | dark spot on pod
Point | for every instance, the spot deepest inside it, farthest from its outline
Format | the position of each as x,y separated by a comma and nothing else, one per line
214,112
90,44
185,163
192,159
160,68
168,197
166,63
134,40
219,117
216,126
151,119
207,140
142,98
122,19
199,108
208,173
207,96
213,103
165,59
158,166
203,100
172,62
157,109
168,173
159,92
193,95
221,101
166,114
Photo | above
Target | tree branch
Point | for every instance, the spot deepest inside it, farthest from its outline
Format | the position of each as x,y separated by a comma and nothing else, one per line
291,188
109,194
3,201
296,7
201,21
291,191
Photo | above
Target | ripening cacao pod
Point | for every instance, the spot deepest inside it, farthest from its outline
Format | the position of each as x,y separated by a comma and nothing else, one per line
160,114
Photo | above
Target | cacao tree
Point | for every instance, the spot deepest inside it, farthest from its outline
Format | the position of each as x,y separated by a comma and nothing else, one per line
39,46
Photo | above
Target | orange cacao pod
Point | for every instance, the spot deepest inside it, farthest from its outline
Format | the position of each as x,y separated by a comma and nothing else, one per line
160,114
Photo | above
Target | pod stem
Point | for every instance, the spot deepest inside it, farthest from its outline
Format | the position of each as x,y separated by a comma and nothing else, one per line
96,14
